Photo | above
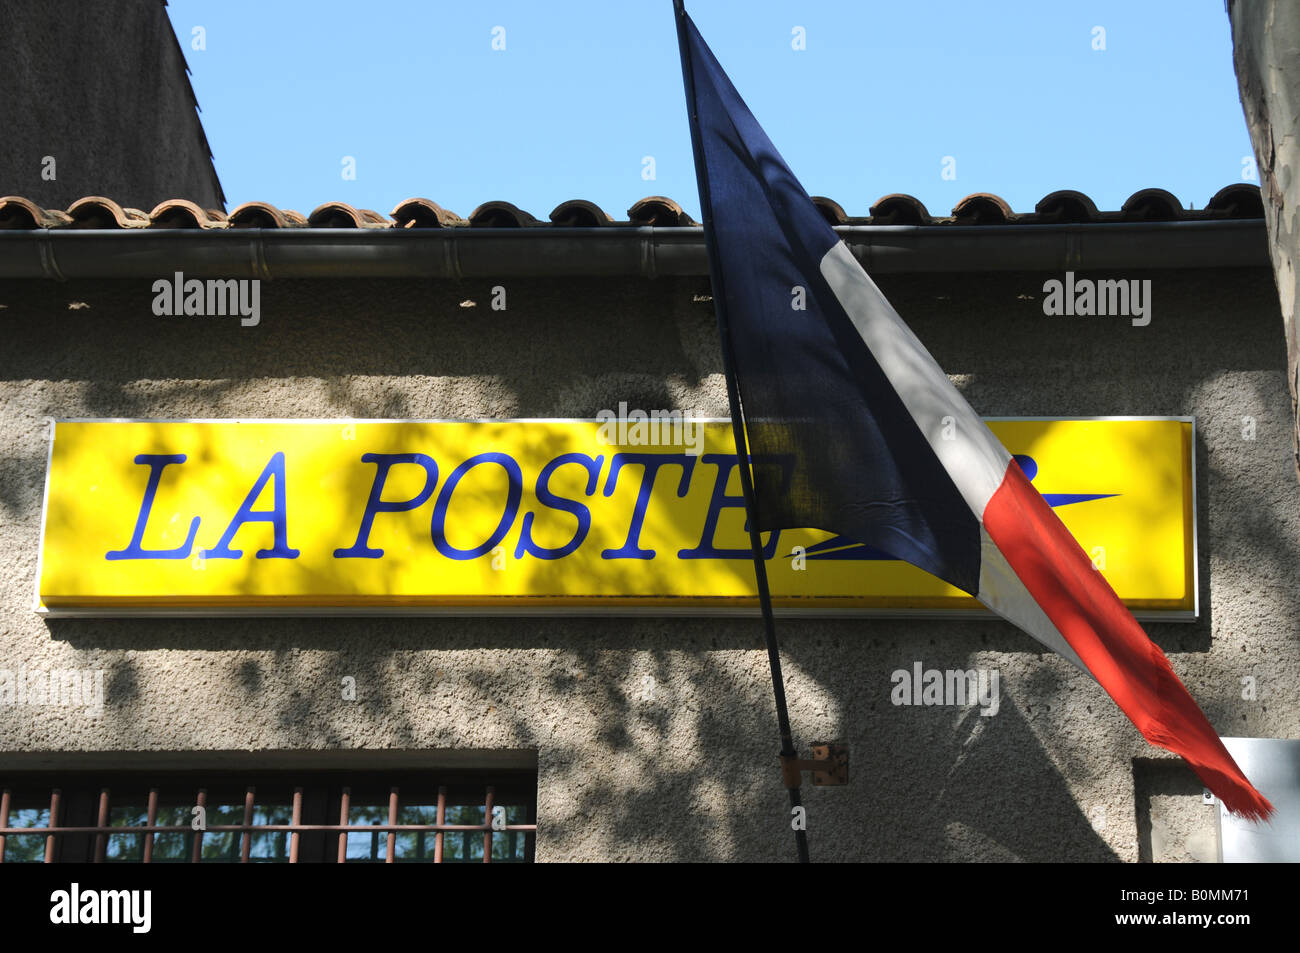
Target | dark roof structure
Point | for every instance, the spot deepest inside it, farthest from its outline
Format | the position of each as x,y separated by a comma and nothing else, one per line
98,100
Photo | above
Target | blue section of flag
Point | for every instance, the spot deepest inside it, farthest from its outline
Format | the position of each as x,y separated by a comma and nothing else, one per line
810,390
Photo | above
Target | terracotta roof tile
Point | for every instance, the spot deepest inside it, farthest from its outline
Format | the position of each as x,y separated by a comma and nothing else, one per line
265,215
982,208
1236,201
659,211
423,213
182,213
579,213
831,210
899,209
95,211
500,215
1153,205
18,212
1066,206
342,215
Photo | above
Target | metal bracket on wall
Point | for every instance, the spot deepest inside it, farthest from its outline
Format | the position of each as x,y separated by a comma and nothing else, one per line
829,766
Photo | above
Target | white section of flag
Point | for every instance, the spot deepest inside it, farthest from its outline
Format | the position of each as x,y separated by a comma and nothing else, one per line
973,457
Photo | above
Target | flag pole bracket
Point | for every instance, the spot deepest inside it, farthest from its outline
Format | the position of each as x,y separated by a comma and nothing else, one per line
829,766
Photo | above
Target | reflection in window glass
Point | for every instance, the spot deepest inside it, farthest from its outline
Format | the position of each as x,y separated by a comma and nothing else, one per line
418,846
26,848
218,846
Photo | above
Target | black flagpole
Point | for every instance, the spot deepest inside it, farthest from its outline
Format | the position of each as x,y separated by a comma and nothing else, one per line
738,432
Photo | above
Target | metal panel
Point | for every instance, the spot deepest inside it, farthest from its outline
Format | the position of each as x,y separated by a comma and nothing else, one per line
1273,766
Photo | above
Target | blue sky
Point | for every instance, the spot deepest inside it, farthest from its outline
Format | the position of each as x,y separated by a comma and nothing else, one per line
413,90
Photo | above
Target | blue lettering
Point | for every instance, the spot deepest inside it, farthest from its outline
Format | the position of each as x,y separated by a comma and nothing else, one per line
721,500
549,499
383,463
652,462
156,462
277,517
437,527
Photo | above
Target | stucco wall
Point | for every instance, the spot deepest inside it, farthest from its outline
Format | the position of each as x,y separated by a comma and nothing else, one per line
688,772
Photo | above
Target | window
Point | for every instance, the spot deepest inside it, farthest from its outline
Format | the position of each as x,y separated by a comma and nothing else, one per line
268,817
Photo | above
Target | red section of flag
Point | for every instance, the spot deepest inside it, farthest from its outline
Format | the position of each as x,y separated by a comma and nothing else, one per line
1128,665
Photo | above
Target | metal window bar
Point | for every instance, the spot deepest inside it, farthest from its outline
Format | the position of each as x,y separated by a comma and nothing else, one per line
201,802
441,819
345,802
101,840
295,822
55,796
5,797
391,854
151,821
104,829
246,840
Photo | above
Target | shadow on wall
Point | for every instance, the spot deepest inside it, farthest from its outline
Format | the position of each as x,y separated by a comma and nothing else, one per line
554,352
661,737
928,783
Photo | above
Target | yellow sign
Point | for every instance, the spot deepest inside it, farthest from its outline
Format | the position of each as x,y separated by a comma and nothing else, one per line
573,515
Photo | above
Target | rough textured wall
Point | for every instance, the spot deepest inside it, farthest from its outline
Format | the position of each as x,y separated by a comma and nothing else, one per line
101,88
691,771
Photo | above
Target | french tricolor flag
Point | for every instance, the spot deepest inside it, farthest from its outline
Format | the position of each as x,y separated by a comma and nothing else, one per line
854,429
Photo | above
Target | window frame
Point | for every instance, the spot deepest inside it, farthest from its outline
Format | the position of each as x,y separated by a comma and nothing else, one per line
82,801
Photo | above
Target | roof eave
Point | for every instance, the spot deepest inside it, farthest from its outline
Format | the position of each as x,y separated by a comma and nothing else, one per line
66,254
